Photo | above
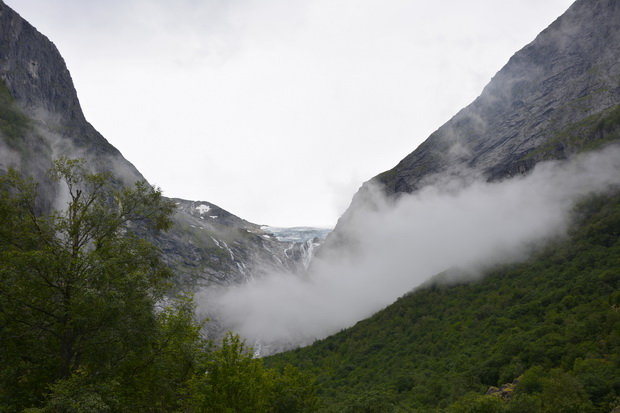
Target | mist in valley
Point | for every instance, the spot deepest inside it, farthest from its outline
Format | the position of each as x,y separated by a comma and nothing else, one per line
396,245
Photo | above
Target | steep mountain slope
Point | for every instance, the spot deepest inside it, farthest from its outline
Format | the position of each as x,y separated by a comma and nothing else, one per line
39,92
568,76
210,246
41,120
547,102
547,329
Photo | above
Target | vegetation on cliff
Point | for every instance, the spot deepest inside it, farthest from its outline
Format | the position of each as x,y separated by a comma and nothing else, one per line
13,122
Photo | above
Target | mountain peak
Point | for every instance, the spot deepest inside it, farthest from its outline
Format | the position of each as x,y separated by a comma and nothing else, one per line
36,76
33,69
568,75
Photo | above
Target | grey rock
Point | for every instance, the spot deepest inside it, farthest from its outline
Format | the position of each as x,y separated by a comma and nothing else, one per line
36,75
570,72
549,101
207,246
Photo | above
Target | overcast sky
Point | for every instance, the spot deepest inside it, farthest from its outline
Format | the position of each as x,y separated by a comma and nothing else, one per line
278,110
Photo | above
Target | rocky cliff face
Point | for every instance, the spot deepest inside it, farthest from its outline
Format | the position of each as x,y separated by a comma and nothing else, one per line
41,119
557,96
210,246
569,76
35,74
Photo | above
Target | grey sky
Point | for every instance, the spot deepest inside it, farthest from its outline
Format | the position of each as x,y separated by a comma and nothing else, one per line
278,110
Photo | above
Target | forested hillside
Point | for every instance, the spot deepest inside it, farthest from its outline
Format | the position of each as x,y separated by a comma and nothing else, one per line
547,330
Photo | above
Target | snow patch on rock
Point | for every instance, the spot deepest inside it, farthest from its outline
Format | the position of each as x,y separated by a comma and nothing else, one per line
203,209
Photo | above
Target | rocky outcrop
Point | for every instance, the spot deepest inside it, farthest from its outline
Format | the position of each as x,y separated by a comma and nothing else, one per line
505,392
567,77
555,97
210,246
37,76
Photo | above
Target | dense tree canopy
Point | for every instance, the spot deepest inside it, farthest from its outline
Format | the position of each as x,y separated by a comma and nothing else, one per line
77,289
85,325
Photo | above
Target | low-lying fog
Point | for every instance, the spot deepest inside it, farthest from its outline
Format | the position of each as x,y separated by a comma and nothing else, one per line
399,245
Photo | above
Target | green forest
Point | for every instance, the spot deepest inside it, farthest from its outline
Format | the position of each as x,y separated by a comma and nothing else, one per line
536,336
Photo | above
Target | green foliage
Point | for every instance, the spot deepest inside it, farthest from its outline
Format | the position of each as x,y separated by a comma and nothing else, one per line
77,395
159,377
77,290
235,381
531,381
599,379
82,326
371,401
293,391
551,391
476,403
13,122
590,133
550,325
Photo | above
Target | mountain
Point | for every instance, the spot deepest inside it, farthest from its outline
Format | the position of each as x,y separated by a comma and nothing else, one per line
557,96
539,333
545,103
41,120
546,331
41,115
209,246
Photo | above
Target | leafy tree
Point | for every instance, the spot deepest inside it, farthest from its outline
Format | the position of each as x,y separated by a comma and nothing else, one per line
599,379
371,401
234,381
77,288
294,391
158,378
552,391
475,403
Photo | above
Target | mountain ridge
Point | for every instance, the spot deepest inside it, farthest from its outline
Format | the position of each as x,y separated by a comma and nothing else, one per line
571,61
546,103
41,84
204,249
